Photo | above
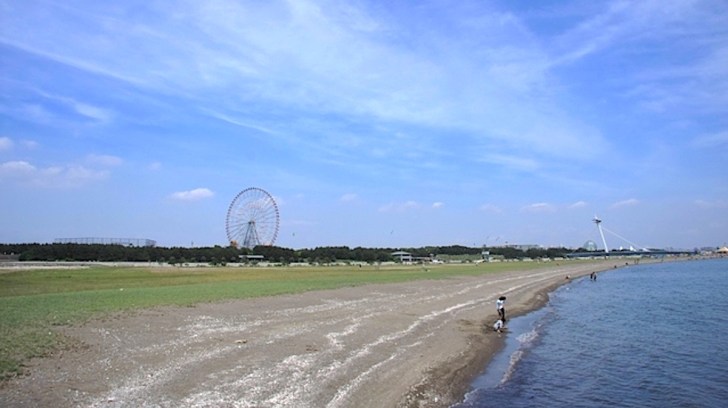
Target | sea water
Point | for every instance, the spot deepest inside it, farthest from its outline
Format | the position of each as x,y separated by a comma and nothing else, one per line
649,335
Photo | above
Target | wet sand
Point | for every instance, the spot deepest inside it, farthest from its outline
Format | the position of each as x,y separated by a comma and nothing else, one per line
415,344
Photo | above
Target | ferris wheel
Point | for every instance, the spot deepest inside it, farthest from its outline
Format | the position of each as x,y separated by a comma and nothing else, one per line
252,219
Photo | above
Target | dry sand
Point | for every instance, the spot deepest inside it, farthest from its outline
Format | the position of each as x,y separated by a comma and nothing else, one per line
415,344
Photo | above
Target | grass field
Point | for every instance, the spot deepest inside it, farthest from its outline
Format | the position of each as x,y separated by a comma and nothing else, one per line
32,302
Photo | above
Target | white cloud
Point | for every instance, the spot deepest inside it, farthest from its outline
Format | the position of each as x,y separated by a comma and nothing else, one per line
155,166
87,110
711,204
400,207
92,112
6,143
50,177
625,20
250,124
323,58
79,175
539,208
193,195
711,140
625,203
105,160
511,161
491,208
460,95
30,144
16,167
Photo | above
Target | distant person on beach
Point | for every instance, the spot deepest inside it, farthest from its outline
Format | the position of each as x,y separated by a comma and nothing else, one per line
500,306
498,326
593,276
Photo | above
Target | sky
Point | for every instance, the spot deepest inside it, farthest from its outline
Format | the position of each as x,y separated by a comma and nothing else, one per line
371,123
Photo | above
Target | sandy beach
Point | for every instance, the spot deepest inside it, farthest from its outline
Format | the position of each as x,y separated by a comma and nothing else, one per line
415,344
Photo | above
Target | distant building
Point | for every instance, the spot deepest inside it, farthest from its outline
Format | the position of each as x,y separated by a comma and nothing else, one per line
137,242
248,258
404,257
9,257
590,246
524,247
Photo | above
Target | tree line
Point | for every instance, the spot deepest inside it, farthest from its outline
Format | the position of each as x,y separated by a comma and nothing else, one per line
221,255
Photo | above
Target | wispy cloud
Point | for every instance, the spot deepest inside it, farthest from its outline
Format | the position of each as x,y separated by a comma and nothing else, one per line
698,83
192,195
349,197
84,109
512,162
490,208
711,140
712,204
92,112
325,58
400,207
250,124
539,208
105,160
16,167
624,21
6,143
55,176
29,144
71,176
630,202
494,102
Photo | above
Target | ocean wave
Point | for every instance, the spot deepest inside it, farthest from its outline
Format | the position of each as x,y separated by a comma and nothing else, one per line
526,340
515,358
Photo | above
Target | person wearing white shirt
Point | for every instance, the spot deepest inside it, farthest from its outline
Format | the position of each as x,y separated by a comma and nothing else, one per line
500,305
498,326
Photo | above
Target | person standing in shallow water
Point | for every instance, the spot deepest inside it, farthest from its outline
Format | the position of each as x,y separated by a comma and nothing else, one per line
500,305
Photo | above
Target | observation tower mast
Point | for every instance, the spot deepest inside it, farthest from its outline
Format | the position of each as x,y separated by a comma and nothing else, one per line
599,226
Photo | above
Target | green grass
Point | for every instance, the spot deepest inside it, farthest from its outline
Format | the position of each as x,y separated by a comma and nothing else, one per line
32,302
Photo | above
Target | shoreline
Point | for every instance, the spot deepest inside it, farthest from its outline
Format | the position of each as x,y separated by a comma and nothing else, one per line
571,352
413,344
450,383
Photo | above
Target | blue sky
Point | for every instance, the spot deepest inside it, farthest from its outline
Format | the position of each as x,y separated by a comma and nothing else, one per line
372,123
